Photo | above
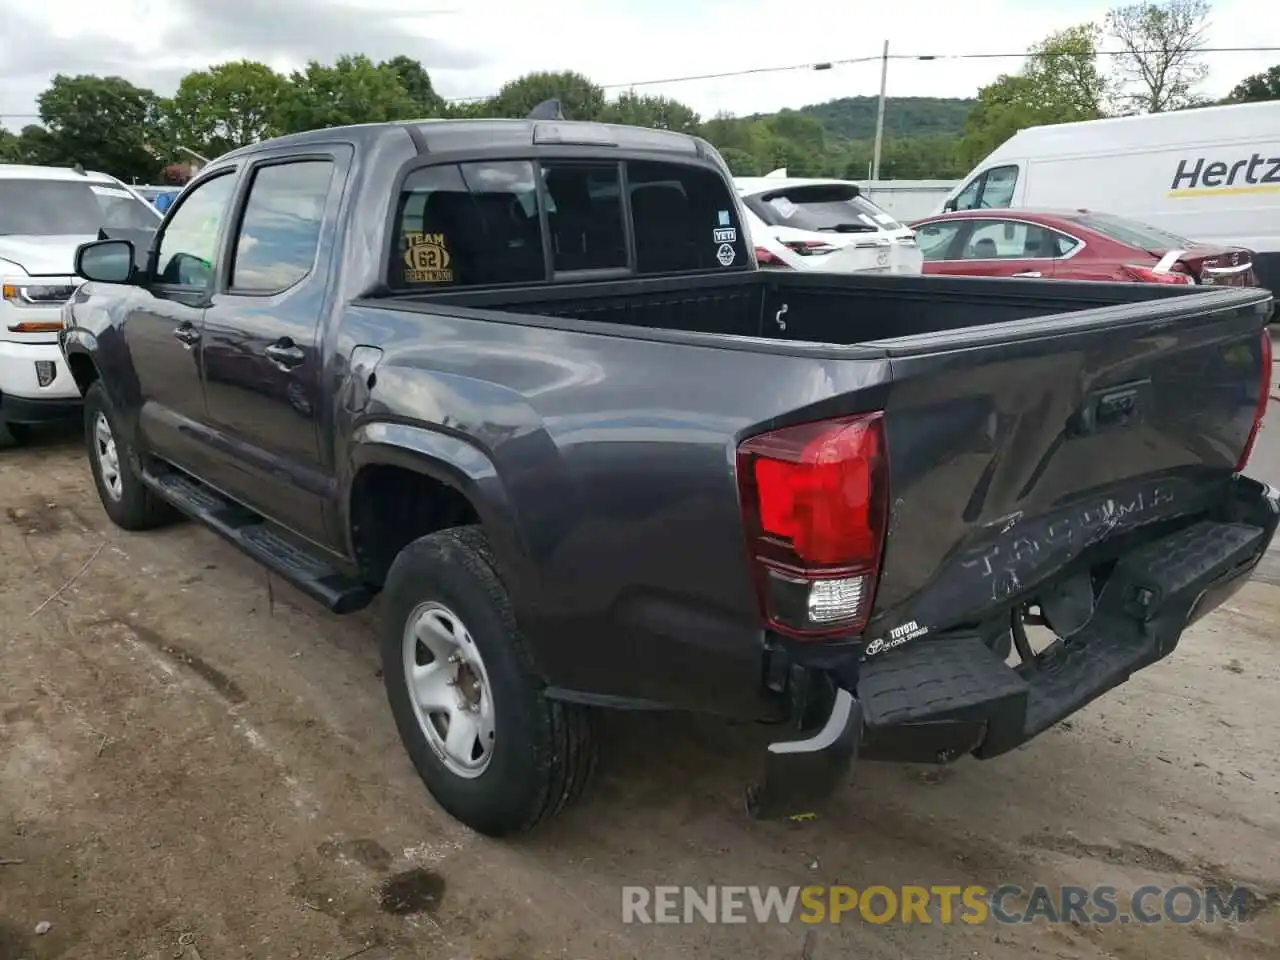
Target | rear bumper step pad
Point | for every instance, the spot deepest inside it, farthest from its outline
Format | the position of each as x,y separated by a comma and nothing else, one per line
963,693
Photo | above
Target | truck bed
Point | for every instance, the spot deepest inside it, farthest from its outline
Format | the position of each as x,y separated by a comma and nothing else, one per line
835,309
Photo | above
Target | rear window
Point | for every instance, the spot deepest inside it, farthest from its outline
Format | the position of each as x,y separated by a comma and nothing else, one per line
1135,234
481,223
823,208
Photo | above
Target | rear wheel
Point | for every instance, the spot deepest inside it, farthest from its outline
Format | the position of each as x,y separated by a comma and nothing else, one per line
127,500
490,747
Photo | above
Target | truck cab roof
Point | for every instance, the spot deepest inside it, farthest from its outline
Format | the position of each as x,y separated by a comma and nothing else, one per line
441,136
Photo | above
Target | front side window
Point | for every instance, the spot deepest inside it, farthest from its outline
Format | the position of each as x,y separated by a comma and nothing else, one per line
52,208
991,190
967,198
997,191
584,214
468,224
935,239
685,218
189,244
280,229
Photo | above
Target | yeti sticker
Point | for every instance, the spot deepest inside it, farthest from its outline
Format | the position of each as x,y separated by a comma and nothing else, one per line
725,235
725,254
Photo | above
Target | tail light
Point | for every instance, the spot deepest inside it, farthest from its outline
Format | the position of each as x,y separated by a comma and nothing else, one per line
809,248
1260,410
1149,275
815,500
766,257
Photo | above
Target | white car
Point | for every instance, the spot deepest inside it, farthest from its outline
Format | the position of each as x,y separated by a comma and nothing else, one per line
826,225
45,214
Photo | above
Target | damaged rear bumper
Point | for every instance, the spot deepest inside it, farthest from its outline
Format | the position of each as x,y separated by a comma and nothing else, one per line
933,701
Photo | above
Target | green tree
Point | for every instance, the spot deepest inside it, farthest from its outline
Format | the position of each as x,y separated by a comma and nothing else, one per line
103,123
741,162
35,145
1259,86
353,90
1161,60
1059,83
417,83
662,113
227,106
579,97
8,146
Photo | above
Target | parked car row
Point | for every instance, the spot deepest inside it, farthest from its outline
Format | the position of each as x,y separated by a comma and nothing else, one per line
45,214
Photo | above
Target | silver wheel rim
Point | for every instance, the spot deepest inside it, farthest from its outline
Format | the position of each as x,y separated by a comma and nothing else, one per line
449,689
104,447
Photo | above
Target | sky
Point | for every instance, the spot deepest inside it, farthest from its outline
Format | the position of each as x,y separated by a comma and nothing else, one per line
471,48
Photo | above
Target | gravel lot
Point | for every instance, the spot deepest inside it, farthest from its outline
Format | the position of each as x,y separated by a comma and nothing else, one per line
197,763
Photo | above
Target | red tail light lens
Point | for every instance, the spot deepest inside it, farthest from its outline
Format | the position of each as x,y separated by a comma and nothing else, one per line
1261,409
809,248
767,259
814,501
1149,275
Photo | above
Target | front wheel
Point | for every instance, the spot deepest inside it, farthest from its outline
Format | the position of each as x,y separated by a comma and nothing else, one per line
490,747
127,500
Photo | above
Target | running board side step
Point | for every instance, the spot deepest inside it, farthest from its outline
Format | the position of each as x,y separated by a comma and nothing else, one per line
261,540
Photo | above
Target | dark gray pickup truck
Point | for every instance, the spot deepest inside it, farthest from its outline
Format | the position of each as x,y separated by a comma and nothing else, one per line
525,379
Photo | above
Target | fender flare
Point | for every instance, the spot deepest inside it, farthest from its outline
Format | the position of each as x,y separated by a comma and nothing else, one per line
459,464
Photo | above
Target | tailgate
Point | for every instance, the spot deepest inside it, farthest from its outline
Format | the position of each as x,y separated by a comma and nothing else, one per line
1017,448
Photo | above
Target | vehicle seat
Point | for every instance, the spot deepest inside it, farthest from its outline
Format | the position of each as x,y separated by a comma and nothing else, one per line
664,235
985,249
586,233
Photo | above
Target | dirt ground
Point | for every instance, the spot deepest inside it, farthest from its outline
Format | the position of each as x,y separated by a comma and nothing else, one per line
195,763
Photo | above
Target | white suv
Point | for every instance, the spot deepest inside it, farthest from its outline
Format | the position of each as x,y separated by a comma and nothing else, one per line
45,214
824,225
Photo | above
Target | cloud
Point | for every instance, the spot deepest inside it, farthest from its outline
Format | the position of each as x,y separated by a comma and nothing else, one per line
471,49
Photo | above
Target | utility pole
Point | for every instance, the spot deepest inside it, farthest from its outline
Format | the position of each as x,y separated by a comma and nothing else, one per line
884,77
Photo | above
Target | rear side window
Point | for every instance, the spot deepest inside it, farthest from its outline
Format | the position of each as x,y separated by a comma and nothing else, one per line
684,218
468,224
1131,232
280,229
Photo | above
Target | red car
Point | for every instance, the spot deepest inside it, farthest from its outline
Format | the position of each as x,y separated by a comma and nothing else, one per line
1072,245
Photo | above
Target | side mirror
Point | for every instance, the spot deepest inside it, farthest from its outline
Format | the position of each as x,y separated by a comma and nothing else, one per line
949,207
105,261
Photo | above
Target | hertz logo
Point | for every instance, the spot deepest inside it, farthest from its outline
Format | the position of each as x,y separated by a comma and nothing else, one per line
1205,177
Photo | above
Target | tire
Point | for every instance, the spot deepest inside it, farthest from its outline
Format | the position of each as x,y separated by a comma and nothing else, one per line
126,499
541,752
14,434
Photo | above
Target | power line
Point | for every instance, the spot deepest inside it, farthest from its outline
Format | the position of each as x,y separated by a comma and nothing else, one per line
828,65
850,61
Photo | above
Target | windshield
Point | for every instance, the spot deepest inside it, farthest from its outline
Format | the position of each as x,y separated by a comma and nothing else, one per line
828,208
1133,233
50,208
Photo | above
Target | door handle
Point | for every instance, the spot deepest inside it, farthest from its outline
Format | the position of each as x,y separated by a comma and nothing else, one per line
285,354
187,335
1029,273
